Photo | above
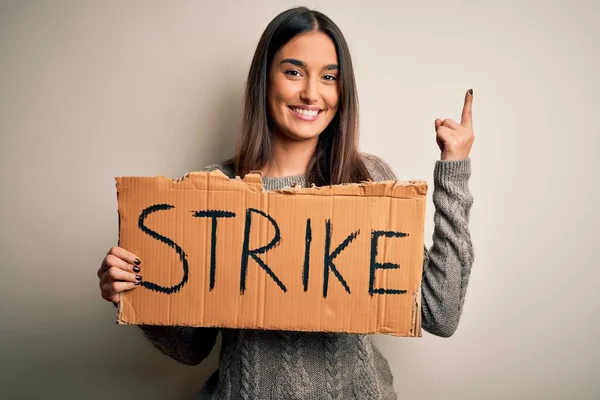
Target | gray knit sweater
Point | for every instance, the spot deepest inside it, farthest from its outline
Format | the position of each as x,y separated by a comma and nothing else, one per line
258,364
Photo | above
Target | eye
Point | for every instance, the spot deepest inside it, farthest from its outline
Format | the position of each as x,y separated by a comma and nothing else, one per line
330,78
293,72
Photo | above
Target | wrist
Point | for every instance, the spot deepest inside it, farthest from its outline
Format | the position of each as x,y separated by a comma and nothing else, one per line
453,157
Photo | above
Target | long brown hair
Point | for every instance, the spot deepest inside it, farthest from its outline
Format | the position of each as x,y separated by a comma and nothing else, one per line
336,158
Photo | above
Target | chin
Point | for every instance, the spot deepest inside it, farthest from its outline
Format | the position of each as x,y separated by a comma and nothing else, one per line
304,131
302,135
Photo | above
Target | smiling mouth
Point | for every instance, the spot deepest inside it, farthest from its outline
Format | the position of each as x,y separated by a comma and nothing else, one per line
305,112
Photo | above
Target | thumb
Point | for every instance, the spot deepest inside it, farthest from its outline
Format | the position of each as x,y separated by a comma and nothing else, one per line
438,123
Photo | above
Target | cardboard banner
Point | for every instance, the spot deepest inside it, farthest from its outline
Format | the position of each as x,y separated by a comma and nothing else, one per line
218,252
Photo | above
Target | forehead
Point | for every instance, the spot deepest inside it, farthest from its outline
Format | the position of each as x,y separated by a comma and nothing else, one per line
313,48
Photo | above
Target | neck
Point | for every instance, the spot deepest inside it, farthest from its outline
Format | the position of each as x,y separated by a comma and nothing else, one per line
289,157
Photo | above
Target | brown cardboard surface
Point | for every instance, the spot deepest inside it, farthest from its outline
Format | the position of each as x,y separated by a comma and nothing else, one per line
345,258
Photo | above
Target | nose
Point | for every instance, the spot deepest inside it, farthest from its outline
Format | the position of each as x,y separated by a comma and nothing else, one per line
310,93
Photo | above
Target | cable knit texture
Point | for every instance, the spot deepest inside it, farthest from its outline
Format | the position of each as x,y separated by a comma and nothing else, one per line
293,382
258,364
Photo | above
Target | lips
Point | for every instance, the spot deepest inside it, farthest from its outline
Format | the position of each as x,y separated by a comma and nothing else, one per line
306,114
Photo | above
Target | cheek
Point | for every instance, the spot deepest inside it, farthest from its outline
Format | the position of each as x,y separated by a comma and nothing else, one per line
332,100
275,104
281,92
272,101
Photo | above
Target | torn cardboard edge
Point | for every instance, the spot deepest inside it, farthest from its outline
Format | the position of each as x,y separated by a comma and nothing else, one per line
253,180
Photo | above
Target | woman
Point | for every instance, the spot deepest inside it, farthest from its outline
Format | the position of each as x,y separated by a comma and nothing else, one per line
300,126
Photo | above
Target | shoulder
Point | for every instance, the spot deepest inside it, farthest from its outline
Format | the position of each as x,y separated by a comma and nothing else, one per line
223,167
378,168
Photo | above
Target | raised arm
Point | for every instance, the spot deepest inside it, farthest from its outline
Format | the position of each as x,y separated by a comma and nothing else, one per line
447,264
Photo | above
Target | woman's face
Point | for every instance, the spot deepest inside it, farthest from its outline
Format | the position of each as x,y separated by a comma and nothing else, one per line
303,86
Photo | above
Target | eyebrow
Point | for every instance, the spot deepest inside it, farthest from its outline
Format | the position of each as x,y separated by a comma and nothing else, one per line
298,63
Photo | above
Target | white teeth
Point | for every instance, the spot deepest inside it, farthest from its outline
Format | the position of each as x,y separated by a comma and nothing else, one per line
308,113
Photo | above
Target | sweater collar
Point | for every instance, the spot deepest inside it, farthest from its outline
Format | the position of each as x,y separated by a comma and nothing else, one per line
280,182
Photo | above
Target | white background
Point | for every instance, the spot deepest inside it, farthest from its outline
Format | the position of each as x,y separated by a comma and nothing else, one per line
90,90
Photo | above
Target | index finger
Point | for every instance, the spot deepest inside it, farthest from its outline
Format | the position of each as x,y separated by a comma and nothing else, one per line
467,113
120,253
124,255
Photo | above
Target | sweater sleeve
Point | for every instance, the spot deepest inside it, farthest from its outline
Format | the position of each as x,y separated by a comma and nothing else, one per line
188,345
447,264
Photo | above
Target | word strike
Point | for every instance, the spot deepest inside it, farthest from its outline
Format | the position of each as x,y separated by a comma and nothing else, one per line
248,253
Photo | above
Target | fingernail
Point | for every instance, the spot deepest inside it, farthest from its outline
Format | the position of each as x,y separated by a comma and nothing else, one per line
137,261
138,277
136,268
137,283
471,91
